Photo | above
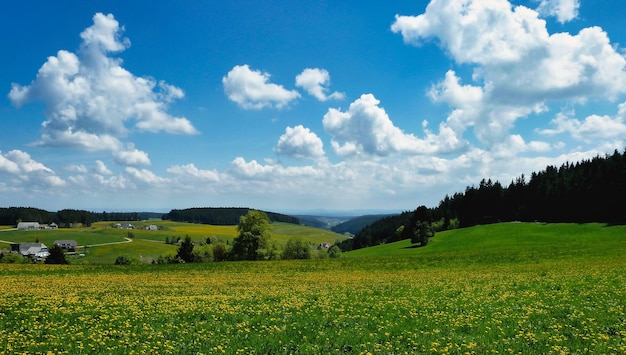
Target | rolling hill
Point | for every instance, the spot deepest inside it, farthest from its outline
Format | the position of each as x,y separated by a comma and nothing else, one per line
512,242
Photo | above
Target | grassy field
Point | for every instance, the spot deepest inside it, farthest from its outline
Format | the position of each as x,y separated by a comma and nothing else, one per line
511,242
458,295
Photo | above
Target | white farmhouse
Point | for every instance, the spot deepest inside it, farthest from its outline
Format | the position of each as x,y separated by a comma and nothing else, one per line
36,251
30,226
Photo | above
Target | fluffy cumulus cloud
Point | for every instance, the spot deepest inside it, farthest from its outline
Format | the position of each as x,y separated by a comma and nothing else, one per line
315,82
367,129
251,89
190,173
300,143
92,101
518,66
592,128
131,156
563,10
146,177
101,168
25,171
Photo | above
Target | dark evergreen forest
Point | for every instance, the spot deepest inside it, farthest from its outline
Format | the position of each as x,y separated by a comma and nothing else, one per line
591,190
226,216
64,218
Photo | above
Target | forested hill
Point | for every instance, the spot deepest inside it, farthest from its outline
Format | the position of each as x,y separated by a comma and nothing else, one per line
588,191
225,216
591,190
354,225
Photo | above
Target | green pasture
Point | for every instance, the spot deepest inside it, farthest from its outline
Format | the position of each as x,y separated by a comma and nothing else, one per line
138,251
510,242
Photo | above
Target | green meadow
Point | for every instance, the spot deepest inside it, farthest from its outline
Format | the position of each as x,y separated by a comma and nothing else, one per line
512,288
511,242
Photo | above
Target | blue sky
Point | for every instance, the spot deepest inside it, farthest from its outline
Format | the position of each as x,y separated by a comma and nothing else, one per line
299,106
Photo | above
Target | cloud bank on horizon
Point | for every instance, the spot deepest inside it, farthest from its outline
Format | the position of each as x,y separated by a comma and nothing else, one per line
509,95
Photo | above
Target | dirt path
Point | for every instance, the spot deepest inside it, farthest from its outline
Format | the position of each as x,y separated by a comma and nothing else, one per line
128,240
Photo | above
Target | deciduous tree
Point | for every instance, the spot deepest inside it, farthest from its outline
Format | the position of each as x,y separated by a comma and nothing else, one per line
253,236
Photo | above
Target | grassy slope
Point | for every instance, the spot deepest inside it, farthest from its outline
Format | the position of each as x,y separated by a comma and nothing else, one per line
511,242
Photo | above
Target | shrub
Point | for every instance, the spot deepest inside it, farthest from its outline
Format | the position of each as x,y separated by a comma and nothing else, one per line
219,252
296,248
122,260
334,252
13,258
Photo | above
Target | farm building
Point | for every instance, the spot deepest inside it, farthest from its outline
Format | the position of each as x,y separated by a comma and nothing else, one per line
34,250
152,227
30,226
68,245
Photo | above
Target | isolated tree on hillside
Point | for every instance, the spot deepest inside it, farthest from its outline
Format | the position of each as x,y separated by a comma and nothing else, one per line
420,228
253,236
185,250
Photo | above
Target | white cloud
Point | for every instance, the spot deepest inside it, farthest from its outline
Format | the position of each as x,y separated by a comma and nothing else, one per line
367,129
146,176
592,128
77,168
251,89
563,10
300,143
101,168
25,171
131,156
240,168
518,66
92,101
315,82
8,166
190,172
475,31
78,140
467,101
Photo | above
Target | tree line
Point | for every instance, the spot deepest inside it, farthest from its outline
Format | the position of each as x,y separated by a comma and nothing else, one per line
587,191
590,190
220,216
64,218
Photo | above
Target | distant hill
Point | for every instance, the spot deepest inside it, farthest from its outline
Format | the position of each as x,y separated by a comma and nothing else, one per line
150,215
354,225
220,216
322,222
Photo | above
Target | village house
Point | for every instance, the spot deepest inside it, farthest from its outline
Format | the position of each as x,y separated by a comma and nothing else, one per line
67,245
152,227
37,251
30,226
